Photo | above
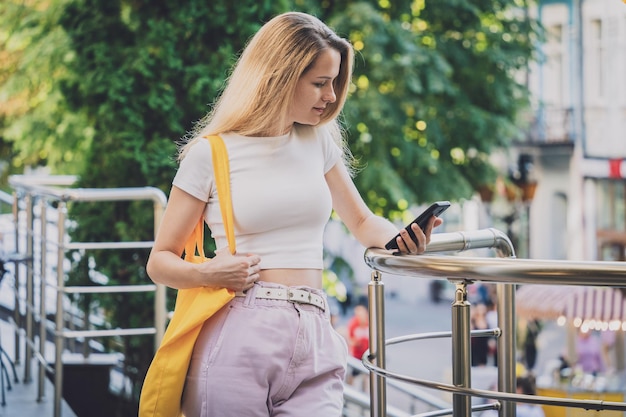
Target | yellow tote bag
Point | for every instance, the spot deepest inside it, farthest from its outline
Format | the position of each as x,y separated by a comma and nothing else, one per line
163,387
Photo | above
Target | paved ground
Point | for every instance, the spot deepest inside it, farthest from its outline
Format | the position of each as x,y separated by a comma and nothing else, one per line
21,400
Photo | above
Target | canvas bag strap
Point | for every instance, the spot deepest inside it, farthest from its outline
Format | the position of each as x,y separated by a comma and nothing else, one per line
221,172
221,168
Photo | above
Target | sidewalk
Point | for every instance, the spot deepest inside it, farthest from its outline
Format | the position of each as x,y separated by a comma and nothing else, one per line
21,400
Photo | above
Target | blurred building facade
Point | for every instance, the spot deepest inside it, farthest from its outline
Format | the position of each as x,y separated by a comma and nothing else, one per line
574,151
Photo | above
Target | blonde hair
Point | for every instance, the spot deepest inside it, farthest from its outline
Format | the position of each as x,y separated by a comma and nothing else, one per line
262,85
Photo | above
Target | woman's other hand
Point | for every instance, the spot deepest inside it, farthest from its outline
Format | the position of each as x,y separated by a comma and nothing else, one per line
235,272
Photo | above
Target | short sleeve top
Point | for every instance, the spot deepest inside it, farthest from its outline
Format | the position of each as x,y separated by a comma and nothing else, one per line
281,201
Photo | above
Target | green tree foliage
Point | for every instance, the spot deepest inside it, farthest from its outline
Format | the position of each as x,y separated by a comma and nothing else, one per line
36,126
437,89
146,72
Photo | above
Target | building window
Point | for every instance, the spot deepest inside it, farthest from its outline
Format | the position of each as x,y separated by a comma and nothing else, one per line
595,57
554,70
611,220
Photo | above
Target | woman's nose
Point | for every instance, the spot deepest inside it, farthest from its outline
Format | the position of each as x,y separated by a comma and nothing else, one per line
329,95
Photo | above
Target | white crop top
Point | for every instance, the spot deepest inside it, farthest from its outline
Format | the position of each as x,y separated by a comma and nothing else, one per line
281,201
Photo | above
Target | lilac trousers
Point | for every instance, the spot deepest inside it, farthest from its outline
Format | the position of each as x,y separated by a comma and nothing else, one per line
258,357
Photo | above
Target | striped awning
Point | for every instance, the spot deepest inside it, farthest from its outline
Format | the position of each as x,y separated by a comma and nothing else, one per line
601,305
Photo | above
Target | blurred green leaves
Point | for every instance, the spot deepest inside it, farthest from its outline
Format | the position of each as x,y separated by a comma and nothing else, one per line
433,81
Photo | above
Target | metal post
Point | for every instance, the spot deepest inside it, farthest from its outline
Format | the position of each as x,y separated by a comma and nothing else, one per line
461,350
41,378
506,345
60,314
160,294
28,355
378,387
16,285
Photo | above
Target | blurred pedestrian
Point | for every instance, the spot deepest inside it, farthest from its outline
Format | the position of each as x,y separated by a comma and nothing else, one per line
479,344
533,327
526,386
589,353
608,340
492,321
358,338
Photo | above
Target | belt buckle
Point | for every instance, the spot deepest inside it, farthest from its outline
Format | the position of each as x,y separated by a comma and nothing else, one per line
291,296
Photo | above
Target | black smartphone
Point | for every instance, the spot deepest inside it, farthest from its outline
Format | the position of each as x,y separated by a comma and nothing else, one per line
422,220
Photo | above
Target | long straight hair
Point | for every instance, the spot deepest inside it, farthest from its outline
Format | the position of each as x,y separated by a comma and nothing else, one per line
262,85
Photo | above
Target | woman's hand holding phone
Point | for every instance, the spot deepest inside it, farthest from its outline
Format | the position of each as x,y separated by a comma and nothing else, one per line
414,237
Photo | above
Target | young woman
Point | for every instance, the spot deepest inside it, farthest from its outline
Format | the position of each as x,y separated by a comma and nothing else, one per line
262,354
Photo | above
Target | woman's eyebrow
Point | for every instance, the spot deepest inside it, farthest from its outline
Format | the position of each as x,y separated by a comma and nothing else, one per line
325,77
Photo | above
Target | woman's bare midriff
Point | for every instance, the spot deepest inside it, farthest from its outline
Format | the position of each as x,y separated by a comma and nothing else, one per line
293,277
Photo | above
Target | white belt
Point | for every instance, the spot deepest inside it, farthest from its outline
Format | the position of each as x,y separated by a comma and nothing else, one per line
289,294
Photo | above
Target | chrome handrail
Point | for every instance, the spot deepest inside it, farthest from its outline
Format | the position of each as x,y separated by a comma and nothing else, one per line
466,240
6,198
410,391
505,272
495,270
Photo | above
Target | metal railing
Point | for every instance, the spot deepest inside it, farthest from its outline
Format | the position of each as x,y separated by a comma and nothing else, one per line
14,259
463,271
34,196
34,199
413,393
